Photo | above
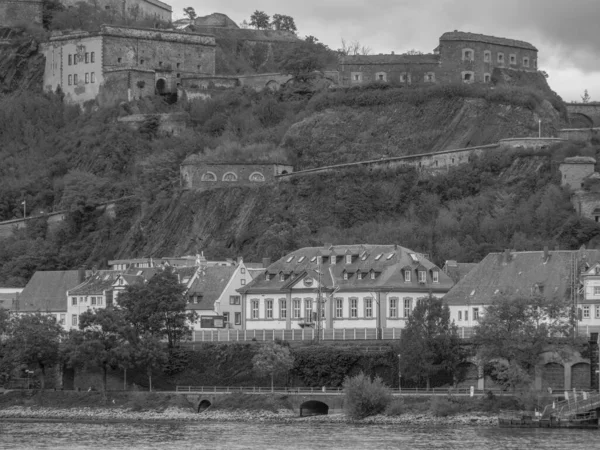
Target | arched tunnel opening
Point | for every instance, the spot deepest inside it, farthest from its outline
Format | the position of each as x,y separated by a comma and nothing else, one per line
313,408
204,405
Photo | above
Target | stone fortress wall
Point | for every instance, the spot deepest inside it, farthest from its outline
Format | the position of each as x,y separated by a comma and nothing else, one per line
131,8
460,57
199,175
17,12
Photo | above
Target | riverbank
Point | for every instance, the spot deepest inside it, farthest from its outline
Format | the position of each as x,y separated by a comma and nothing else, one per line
173,414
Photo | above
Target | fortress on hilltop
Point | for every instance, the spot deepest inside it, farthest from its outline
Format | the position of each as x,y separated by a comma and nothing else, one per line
460,57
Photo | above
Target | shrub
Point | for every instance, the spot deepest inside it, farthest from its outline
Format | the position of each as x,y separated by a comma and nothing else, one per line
395,408
442,407
364,397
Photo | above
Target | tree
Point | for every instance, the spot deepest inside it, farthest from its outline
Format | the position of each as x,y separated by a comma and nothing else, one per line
365,397
149,355
353,48
158,308
271,359
283,23
100,341
190,13
515,331
429,344
259,20
585,98
34,340
302,61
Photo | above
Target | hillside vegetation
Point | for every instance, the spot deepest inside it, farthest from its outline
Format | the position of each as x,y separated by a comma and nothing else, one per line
57,156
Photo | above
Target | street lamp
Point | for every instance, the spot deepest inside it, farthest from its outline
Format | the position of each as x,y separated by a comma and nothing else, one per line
399,375
540,128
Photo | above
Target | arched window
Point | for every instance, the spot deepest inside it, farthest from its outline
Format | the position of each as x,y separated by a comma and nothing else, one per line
208,176
230,176
257,177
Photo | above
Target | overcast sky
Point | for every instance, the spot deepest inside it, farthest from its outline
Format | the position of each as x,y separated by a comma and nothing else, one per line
566,32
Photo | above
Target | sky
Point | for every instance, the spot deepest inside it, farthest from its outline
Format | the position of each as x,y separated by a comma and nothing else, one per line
566,33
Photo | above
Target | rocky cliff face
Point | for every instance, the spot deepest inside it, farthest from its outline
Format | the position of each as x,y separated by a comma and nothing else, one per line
21,66
346,134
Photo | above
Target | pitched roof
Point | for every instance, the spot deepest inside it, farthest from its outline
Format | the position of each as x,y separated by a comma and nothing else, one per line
466,36
47,291
210,286
518,275
456,270
96,284
365,60
386,260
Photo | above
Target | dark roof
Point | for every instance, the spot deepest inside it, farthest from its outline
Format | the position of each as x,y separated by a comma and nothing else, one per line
97,283
47,291
519,276
210,285
365,60
386,260
457,271
466,36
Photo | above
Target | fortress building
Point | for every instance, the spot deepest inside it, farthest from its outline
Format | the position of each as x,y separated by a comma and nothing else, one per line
15,12
121,64
460,57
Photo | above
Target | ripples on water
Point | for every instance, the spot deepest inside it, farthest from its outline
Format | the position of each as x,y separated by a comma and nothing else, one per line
301,436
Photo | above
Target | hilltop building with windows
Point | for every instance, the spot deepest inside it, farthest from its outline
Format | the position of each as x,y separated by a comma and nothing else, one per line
357,286
460,57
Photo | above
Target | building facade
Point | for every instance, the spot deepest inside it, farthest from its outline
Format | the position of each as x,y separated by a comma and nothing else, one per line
201,175
460,57
120,64
355,286
135,9
96,292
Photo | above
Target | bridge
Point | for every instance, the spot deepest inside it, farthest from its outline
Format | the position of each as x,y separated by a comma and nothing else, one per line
584,115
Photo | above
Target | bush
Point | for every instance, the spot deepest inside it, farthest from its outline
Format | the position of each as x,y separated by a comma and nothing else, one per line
395,408
364,397
442,407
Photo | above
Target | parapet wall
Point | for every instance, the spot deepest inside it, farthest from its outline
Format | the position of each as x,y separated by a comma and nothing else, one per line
204,175
579,134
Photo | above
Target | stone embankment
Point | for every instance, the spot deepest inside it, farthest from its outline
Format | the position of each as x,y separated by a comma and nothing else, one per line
185,415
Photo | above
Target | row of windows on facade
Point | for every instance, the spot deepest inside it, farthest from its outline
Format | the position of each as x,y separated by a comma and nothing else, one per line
405,77
160,64
352,309
85,58
74,79
94,301
586,311
372,275
468,54
231,176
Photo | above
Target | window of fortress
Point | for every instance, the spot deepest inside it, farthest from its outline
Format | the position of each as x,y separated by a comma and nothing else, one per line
468,77
468,54
381,76
487,56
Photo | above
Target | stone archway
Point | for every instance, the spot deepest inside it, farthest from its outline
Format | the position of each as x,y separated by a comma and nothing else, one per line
553,376
161,86
204,405
581,376
313,408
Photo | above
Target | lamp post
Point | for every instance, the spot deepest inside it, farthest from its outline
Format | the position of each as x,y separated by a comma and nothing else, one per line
540,128
399,375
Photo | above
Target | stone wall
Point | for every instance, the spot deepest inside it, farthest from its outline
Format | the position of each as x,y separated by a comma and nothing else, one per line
168,124
202,176
262,81
453,65
591,111
587,204
18,12
400,69
573,174
530,143
154,9
579,134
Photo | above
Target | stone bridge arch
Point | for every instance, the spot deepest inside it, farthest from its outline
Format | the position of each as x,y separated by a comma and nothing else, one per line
314,408
580,120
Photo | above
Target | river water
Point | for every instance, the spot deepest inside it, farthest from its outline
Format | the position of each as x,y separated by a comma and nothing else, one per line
304,436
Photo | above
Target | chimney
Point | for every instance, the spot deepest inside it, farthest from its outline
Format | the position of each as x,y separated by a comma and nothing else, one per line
202,263
506,256
546,253
266,262
81,275
240,260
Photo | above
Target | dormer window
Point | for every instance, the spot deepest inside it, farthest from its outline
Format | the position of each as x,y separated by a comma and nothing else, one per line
390,256
313,259
359,275
436,276
268,277
333,260
422,276
345,275
378,257
290,259
372,275
364,256
407,276
301,259
414,257
348,259
281,277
